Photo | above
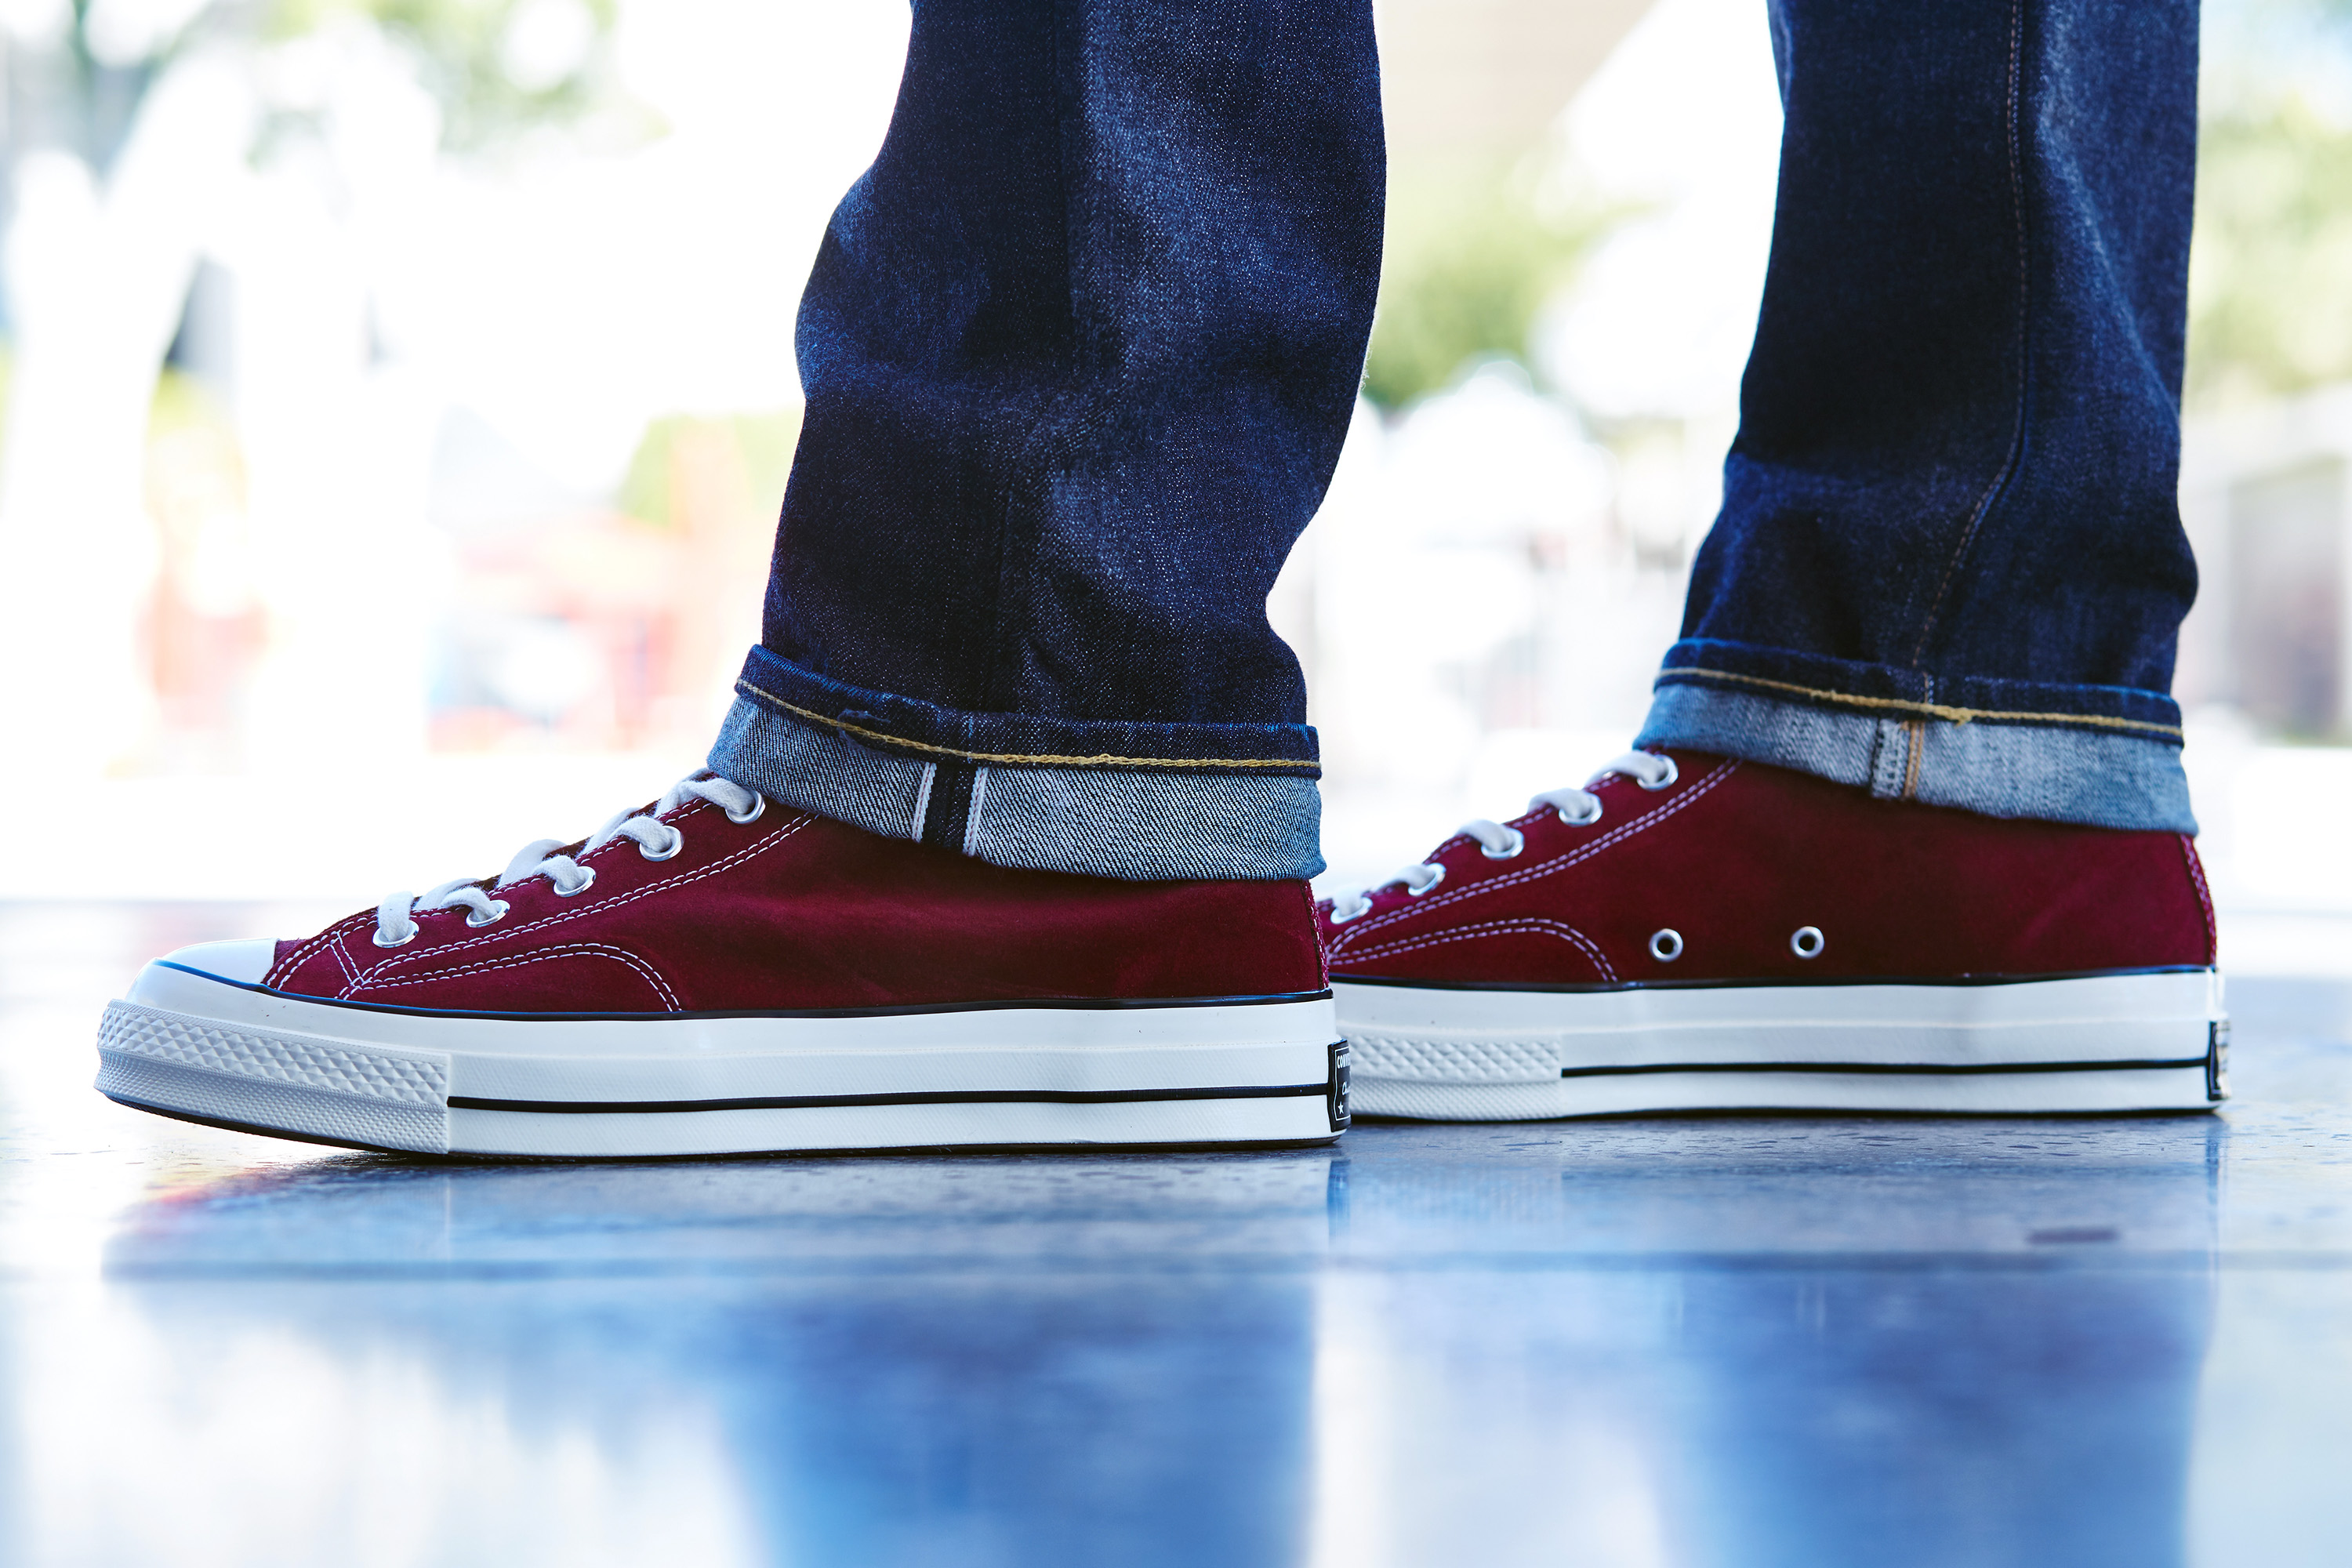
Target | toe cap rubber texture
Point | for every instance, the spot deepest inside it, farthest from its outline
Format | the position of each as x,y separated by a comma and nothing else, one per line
244,962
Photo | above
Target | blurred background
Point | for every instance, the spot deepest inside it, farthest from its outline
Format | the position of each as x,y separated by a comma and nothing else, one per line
399,395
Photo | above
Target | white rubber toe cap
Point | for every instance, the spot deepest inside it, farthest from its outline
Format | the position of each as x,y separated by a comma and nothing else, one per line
245,961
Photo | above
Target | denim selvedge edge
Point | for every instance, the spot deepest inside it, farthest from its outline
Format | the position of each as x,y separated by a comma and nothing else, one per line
2101,777
1141,825
1893,691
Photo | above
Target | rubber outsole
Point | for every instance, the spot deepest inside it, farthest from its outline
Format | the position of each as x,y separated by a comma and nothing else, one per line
1239,1072
2153,1041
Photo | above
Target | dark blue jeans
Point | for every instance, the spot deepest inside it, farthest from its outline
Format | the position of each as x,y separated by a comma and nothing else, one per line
1080,349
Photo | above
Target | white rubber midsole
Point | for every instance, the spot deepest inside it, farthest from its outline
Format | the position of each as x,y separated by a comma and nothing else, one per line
2116,1042
186,1042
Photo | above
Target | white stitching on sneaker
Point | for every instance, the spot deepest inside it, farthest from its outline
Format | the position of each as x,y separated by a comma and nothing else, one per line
333,934
597,949
1498,928
1721,771
1500,843
544,858
790,826
2204,897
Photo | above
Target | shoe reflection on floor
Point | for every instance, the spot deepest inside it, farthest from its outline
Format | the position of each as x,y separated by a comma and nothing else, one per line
1740,1342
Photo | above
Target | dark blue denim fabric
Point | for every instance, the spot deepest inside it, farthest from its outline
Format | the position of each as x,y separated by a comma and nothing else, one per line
1080,349
1952,500
931,732
1079,352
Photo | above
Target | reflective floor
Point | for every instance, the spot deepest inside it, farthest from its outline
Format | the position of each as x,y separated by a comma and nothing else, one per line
1736,1340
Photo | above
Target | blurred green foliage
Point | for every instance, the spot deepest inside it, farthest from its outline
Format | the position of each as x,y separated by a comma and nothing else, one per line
765,442
460,47
64,92
1471,256
182,401
2270,282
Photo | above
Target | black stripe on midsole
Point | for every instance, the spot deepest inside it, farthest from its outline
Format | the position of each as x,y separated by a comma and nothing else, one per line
1762,982
1924,1069
943,1097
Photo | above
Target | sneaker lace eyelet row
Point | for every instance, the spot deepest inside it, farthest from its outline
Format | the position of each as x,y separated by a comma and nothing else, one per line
1574,807
395,925
1666,944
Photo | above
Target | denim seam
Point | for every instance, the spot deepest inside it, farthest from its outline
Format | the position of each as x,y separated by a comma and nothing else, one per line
971,812
1031,464
1036,759
2015,457
2091,776
1875,768
923,800
1923,710
1135,824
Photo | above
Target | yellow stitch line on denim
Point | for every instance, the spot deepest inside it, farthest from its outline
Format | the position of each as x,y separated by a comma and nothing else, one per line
1930,709
1104,760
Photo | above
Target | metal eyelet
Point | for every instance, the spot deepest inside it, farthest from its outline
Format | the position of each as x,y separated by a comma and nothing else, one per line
1508,852
759,805
498,911
676,843
1807,941
587,875
1664,779
1666,945
1413,893
1355,914
1587,820
398,940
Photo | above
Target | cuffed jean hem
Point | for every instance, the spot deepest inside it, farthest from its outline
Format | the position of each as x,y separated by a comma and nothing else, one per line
2097,777
1139,825
928,733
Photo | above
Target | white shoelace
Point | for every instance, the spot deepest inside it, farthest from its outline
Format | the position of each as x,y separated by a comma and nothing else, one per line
656,840
1577,807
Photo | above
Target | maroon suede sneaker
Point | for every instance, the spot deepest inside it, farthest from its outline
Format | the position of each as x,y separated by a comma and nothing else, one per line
720,975
1694,932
